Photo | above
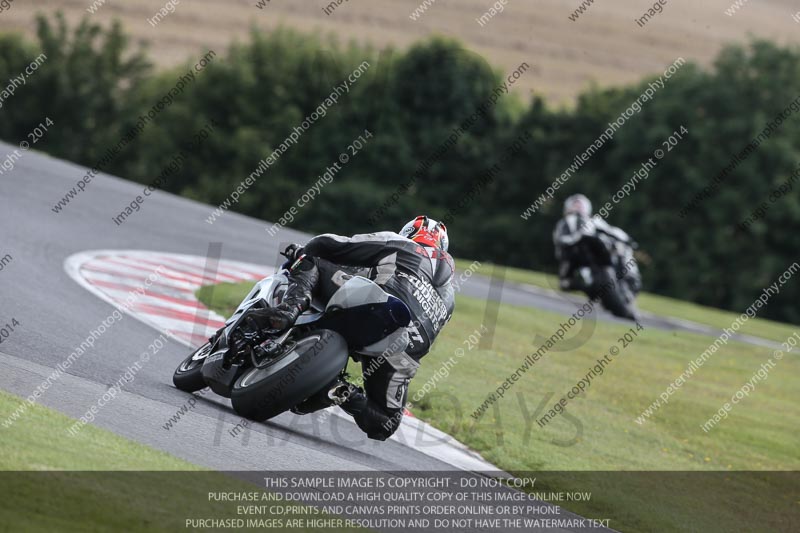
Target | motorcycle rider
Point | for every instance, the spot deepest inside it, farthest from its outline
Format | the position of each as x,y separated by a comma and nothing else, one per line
578,223
415,267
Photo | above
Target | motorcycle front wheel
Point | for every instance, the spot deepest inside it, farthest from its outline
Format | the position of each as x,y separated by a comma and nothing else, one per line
188,376
608,290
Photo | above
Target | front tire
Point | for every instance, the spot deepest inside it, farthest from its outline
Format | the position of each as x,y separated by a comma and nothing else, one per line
312,363
188,377
611,296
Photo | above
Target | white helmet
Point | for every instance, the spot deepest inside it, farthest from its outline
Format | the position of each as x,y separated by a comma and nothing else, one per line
579,204
428,232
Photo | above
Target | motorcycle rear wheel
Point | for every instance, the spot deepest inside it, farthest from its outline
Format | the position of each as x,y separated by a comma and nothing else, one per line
310,364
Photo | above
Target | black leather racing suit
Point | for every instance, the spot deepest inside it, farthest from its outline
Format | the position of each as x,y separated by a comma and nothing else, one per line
604,239
419,276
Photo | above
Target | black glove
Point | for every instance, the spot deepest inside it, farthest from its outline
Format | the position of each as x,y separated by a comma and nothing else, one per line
292,252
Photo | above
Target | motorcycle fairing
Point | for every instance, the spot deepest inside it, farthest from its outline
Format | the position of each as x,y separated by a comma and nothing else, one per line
363,313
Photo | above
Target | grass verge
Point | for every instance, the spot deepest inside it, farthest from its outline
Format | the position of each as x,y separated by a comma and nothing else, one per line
599,431
98,481
659,305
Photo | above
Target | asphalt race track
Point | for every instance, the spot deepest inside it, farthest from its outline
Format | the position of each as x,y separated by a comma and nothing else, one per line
56,314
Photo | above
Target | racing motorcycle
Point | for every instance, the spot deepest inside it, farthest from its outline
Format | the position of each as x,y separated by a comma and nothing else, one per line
608,273
266,373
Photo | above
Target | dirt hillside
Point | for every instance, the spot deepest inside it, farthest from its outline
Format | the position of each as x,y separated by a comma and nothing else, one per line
603,45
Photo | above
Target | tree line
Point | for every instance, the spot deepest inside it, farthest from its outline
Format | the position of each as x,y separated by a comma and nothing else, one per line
431,149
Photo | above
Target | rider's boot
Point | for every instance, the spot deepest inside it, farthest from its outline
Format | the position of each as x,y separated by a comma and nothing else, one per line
303,277
336,393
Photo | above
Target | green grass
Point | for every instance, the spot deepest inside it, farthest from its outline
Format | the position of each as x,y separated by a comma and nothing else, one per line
39,441
760,433
660,305
98,481
514,275
225,297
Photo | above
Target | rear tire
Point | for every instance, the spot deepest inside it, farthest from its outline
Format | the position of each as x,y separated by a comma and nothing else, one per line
314,362
188,377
